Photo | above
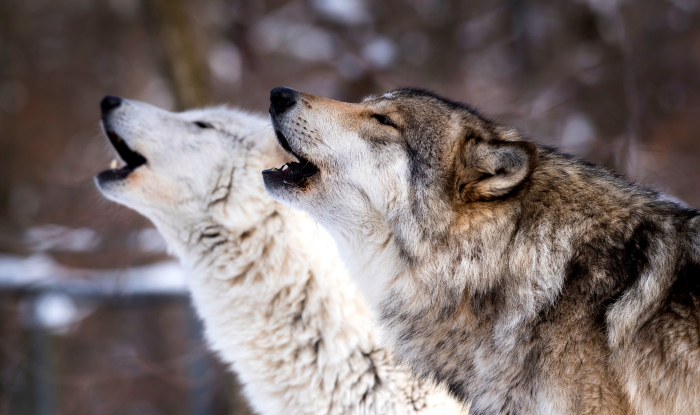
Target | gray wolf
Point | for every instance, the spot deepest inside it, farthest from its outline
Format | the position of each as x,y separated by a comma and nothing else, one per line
276,301
528,281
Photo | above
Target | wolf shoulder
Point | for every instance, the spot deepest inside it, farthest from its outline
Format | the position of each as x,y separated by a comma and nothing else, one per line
632,251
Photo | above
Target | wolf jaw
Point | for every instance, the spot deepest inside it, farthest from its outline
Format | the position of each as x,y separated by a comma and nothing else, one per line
293,173
276,302
132,159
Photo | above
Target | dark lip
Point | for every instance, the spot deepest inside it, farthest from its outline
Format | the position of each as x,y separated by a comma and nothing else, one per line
296,173
133,159
282,140
306,163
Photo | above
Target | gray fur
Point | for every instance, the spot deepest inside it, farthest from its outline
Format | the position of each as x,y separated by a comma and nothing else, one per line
525,279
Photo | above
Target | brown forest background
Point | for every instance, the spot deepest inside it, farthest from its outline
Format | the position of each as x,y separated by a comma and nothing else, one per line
615,82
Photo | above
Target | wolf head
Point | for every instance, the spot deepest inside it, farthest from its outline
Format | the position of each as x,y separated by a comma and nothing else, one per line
179,167
401,153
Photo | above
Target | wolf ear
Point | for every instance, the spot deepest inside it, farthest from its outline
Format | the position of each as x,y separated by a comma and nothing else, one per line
491,169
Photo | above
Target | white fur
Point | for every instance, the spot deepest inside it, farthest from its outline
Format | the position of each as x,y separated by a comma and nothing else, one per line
275,299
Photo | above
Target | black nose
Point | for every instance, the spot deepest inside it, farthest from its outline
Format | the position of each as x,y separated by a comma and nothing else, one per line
281,99
109,103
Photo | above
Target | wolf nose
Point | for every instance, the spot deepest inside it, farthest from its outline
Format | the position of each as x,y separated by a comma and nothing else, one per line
281,99
109,103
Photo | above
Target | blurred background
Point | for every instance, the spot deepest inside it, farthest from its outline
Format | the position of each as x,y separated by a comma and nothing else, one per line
94,317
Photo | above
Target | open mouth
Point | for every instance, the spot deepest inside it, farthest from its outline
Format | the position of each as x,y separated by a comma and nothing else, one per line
294,172
131,158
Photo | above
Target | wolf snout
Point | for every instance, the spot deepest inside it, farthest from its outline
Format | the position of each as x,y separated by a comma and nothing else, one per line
281,99
109,103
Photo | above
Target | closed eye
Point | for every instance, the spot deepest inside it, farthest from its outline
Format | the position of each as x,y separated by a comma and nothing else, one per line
383,120
202,124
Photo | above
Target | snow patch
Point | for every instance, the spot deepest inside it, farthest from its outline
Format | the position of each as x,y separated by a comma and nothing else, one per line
381,52
300,40
349,12
40,271
61,238
578,133
55,312
225,62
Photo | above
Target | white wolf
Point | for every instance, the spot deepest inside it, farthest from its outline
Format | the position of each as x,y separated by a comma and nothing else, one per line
276,302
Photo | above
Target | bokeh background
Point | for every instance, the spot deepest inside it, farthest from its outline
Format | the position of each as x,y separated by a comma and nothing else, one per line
94,318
